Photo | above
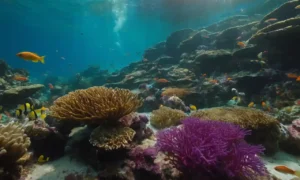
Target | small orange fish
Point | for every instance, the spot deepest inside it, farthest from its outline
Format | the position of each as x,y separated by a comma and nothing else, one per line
271,20
161,80
29,56
7,113
241,44
251,105
292,75
284,169
298,79
213,81
50,86
20,78
263,104
297,102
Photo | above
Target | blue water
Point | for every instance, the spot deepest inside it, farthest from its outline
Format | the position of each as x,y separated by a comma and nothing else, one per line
76,34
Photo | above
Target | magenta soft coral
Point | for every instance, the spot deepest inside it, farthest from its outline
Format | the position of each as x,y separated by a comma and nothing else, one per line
211,149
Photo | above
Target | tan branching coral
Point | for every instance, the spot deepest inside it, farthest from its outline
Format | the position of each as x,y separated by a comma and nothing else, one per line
13,144
264,128
245,117
179,92
96,104
111,138
166,117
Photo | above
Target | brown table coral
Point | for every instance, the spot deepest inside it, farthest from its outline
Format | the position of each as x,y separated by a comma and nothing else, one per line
96,104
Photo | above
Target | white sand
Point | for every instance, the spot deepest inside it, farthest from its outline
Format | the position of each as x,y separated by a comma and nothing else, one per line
285,159
58,169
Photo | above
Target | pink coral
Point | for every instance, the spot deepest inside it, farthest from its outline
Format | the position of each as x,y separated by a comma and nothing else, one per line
294,130
296,124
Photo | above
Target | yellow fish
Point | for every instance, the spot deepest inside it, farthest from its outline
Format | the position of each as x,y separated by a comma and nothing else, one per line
32,115
193,107
297,7
42,159
38,113
251,104
24,108
29,56
234,98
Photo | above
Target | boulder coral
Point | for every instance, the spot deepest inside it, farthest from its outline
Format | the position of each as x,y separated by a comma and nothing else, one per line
165,117
265,128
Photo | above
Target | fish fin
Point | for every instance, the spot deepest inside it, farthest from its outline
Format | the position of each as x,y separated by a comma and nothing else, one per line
43,59
35,61
297,173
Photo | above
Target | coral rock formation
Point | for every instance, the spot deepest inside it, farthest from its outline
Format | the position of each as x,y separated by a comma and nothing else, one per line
14,95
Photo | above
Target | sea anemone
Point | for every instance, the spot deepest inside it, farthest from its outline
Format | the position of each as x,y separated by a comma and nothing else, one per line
211,149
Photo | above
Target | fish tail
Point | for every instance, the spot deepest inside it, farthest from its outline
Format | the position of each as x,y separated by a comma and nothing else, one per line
43,59
297,173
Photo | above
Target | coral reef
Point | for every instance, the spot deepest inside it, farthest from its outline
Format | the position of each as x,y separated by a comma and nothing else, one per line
211,149
265,128
112,138
95,104
165,117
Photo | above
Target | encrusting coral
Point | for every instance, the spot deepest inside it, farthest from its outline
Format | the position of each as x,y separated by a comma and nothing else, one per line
112,138
13,143
265,128
95,104
244,117
179,92
203,149
165,117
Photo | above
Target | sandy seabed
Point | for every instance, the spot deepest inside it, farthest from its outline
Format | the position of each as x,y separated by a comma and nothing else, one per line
58,169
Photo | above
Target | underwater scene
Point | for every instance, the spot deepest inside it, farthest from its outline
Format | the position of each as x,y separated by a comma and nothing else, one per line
150,90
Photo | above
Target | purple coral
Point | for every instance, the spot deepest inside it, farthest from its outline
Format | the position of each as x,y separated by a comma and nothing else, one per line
144,159
201,149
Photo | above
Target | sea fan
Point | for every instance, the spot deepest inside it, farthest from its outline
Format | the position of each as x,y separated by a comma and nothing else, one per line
211,149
